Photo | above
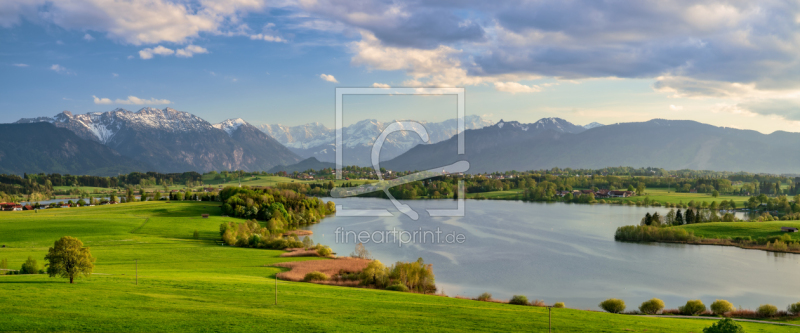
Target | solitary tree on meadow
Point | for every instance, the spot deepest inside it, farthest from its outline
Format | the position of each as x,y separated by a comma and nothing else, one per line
69,259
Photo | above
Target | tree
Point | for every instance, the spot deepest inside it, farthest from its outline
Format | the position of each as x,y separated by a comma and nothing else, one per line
308,243
69,259
648,220
715,193
361,252
613,305
721,306
652,306
30,266
726,325
640,189
678,218
689,216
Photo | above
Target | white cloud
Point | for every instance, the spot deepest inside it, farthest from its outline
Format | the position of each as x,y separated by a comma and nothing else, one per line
268,38
60,69
186,52
438,67
190,50
114,75
160,50
328,78
131,100
59,42
88,37
676,107
21,65
380,85
514,87
134,22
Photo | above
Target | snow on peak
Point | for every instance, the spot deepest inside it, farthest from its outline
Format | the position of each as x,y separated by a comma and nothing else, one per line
230,125
593,125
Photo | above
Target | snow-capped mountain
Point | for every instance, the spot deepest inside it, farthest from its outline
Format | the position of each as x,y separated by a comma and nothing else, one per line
592,125
230,125
317,140
177,141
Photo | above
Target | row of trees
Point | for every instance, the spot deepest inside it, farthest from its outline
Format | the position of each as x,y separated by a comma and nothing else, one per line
402,276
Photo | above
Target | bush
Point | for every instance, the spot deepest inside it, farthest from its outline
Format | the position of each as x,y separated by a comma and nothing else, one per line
29,267
397,287
613,305
652,306
485,297
559,305
794,308
518,300
726,325
196,235
767,310
324,251
692,307
721,306
315,276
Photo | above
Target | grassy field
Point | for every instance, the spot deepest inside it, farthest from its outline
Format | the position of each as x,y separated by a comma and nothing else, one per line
199,286
741,229
662,196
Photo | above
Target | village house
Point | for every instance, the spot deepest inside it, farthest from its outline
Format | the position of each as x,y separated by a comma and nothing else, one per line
620,194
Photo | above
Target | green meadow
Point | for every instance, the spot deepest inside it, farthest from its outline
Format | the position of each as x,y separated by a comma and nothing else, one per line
196,285
741,229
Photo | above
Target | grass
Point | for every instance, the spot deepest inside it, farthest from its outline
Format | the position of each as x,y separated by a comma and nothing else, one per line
662,196
741,229
199,286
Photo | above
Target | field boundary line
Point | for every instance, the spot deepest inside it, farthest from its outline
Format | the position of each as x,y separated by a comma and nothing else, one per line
715,318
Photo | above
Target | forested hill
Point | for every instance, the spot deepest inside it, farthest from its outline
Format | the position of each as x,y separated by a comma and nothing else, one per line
668,144
43,147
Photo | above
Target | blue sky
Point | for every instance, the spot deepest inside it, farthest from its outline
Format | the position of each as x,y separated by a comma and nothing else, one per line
724,63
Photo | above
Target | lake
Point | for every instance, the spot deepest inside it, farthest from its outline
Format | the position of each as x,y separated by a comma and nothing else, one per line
561,252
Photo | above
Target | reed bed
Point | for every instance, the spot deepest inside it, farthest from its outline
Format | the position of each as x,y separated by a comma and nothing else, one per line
300,252
331,267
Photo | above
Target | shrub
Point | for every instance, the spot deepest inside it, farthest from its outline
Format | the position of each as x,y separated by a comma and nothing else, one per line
324,251
652,306
692,307
397,287
767,310
726,325
559,305
315,276
721,306
537,302
196,235
794,308
518,300
613,305
485,297
30,267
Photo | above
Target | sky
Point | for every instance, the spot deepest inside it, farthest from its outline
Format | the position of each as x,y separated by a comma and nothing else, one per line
725,63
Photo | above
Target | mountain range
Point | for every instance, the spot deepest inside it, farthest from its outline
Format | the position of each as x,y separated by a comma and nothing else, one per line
43,147
318,141
554,142
176,141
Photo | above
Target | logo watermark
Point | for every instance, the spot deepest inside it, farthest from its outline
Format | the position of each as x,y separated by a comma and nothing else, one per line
421,131
399,237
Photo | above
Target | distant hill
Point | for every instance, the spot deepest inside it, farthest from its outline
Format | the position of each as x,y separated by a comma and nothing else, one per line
669,144
311,163
176,141
43,147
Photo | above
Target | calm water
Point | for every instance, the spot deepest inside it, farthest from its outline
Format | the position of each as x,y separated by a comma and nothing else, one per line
564,252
